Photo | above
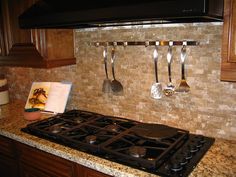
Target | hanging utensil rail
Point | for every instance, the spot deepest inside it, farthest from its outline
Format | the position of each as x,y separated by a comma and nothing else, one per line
143,43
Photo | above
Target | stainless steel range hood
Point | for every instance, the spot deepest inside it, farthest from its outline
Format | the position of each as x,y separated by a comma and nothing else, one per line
97,13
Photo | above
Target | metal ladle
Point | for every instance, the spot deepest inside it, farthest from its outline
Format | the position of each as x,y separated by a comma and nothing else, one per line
106,86
170,88
183,86
156,89
116,86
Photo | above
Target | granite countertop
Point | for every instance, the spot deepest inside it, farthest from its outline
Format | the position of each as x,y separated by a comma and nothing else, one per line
219,161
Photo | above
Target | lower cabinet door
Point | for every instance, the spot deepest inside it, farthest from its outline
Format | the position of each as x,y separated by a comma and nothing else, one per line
28,171
36,163
8,167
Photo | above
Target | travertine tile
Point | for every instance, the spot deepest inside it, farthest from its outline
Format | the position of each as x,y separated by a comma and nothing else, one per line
208,109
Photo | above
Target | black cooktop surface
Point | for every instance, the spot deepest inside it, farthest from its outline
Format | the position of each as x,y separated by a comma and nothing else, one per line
155,148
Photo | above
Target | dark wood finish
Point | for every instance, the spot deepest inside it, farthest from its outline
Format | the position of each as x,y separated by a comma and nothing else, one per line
7,147
20,160
28,171
2,44
8,162
41,48
8,167
40,162
228,64
87,172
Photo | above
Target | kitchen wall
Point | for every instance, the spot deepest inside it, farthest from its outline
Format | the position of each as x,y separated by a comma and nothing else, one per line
209,108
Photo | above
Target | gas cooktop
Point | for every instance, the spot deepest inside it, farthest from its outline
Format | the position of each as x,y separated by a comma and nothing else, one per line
155,148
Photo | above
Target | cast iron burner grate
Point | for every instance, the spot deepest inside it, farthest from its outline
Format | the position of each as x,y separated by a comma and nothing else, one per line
155,148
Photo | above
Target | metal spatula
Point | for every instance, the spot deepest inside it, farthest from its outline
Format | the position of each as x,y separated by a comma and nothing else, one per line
183,86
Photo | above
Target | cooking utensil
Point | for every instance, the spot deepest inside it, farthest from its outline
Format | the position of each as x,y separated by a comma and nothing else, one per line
156,89
106,86
116,86
183,86
169,90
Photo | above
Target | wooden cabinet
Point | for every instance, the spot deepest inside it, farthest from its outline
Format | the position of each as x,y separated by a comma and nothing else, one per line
36,163
41,48
87,172
8,162
20,160
228,64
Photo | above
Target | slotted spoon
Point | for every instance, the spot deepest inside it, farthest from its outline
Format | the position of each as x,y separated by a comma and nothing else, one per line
156,89
170,88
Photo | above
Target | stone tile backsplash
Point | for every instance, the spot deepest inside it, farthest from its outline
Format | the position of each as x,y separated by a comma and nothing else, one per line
209,108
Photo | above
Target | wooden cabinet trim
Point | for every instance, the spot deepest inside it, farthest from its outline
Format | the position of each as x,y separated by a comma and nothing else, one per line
232,32
48,47
39,40
228,63
6,27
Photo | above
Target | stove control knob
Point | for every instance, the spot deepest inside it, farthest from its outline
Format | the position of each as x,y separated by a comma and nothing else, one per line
186,153
200,138
197,143
175,165
182,160
193,147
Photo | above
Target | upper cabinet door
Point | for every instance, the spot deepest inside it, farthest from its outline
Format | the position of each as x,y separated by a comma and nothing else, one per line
228,65
41,48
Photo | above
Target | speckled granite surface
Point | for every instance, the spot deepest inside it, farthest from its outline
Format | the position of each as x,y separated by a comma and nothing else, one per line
220,160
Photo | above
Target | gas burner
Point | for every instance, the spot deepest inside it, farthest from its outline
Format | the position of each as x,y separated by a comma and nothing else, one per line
91,139
113,128
78,120
137,151
55,128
